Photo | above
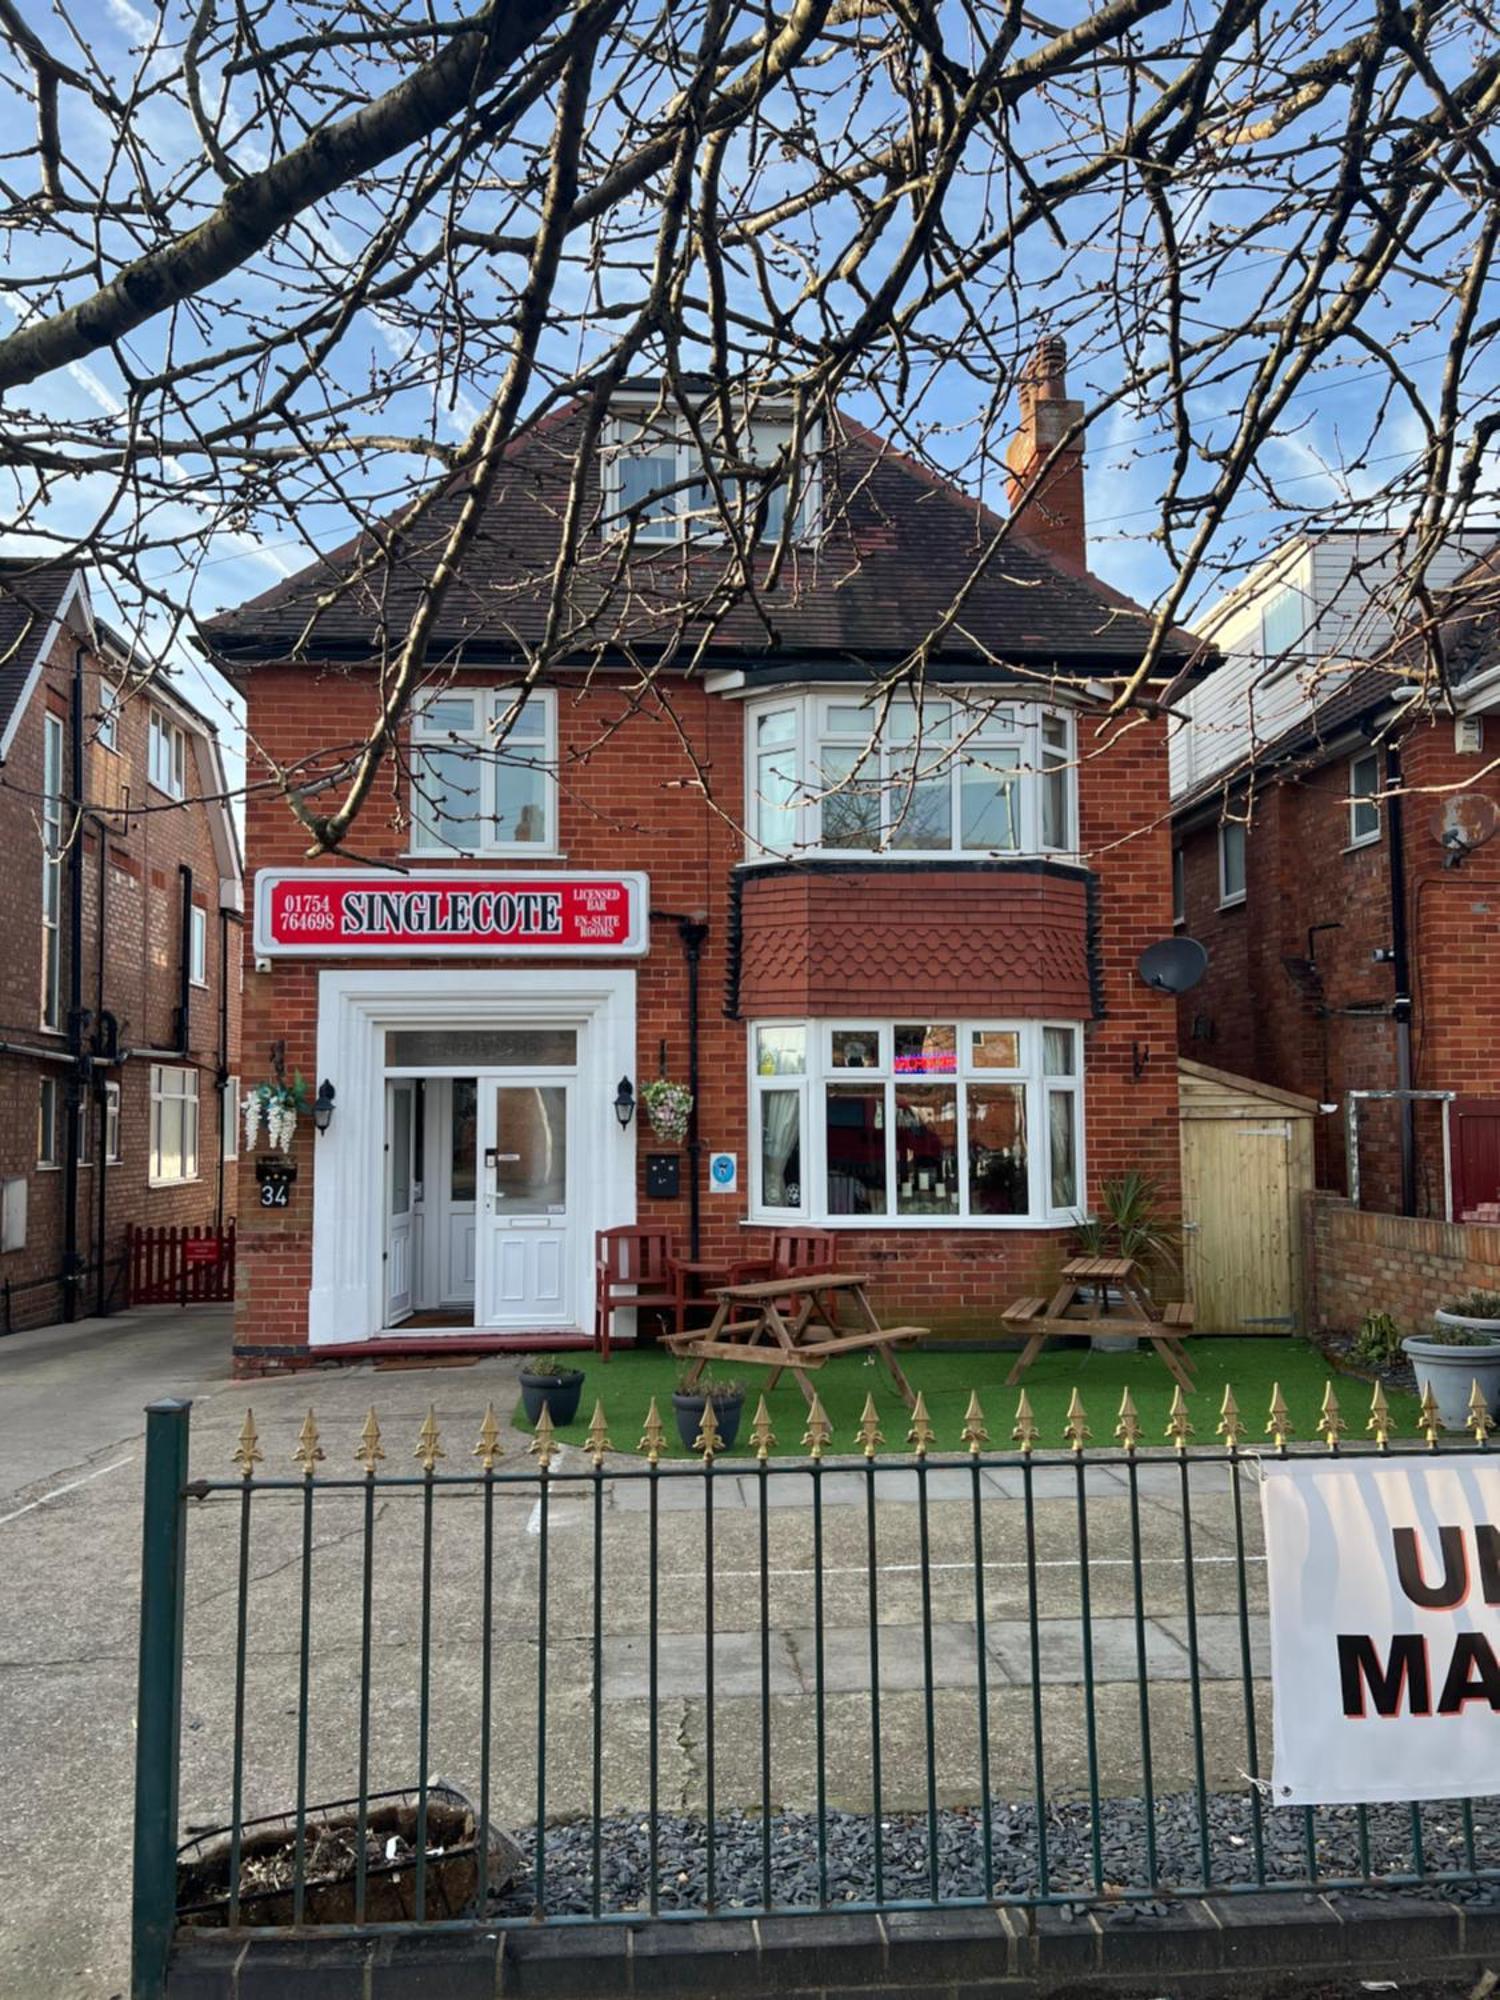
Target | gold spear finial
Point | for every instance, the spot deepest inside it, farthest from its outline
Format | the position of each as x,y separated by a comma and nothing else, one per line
488,1448
1179,1428
247,1453
653,1434
1128,1429
1379,1421
1481,1423
369,1452
309,1452
429,1448
921,1435
1279,1424
1025,1431
819,1433
598,1436
1330,1418
543,1446
708,1441
975,1435
1429,1423
1231,1425
869,1433
1076,1429
761,1434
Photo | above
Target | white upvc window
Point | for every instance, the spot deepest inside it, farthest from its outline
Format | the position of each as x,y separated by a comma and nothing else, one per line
49,1123
107,730
483,782
919,1124
1283,627
229,1100
1179,886
112,1138
962,774
1231,862
198,965
1364,798
52,847
654,482
167,756
174,1125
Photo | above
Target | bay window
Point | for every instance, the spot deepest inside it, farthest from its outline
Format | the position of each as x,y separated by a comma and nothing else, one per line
474,792
961,774
916,1122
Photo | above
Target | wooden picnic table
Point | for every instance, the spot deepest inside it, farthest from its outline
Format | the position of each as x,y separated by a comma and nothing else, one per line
1078,1307
793,1323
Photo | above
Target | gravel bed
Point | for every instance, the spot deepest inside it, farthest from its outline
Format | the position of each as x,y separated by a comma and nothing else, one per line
1339,1348
682,1855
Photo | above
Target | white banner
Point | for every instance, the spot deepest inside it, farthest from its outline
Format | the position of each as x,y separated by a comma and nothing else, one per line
1385,1627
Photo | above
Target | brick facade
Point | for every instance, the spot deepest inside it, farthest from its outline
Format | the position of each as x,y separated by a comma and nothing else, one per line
132,850
630,797
1404,1265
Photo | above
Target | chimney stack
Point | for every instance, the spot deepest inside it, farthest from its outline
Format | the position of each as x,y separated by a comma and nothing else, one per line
1047,507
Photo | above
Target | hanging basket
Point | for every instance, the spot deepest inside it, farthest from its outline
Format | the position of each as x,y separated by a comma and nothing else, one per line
669,1106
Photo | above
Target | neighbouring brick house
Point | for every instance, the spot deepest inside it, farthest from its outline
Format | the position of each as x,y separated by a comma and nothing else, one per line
120,981
918,1018
1332,856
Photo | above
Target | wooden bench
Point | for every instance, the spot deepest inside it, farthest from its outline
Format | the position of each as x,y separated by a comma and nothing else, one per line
1179,1314
1024,1309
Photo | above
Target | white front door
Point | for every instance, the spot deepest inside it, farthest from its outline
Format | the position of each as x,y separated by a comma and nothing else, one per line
400,1199
524,1277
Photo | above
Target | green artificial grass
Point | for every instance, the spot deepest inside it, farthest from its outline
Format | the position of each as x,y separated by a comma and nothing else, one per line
627,1382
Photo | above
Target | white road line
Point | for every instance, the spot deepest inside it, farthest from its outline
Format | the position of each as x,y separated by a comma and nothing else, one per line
71,1487
534,1519
915,1569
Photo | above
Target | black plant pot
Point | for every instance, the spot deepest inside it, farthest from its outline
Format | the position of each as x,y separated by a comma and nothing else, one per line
688,1403
558,1394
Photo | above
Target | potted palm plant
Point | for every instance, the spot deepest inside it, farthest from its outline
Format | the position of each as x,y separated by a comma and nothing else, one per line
550,1384
728,1399
1462,1349
1130,1224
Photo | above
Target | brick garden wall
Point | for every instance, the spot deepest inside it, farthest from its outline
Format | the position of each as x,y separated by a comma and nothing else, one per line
630,797
1359,1262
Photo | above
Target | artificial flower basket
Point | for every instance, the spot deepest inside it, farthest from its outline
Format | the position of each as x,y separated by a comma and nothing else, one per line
669,1106
276,1106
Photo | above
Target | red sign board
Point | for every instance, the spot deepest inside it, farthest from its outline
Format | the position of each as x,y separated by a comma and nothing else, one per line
345,913
200,1250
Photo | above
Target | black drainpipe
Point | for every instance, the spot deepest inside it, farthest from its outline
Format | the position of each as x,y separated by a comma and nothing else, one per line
226,1109
1401,967
182,1040
73,1093
101,1149
693,932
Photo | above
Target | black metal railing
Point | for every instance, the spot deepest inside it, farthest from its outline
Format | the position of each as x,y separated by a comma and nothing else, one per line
767,1684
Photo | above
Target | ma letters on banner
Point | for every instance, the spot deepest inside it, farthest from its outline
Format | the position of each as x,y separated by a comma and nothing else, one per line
1407,1677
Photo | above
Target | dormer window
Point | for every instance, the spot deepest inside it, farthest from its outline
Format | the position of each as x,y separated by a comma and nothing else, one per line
655,484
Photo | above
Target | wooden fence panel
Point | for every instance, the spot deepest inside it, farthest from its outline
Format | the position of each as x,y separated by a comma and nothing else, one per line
173,1265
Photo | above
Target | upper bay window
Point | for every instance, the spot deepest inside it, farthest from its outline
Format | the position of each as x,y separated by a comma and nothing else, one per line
659,485
482,777
942,1123
955,775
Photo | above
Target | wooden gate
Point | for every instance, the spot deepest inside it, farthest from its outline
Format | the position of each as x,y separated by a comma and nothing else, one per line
1247,1161
174,1266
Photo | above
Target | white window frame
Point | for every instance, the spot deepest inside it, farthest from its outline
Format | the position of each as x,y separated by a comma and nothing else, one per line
818,1072
1231,898
107,734
1367,801
53,748
1179,886
166,756
1286,658
691,511
113,1133
49,1141
230,1137
534,746
985,726
163,1094
198,946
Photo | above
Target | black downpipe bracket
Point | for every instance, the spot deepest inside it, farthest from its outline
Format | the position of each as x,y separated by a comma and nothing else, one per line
1401,966
74,1097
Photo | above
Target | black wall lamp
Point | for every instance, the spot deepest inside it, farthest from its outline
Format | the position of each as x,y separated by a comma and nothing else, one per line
322,1110
625,1102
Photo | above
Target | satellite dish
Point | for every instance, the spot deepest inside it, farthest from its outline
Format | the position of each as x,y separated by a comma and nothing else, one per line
1173,966
1461,824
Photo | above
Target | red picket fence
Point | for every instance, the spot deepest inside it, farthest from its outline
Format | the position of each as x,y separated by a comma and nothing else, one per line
173,1266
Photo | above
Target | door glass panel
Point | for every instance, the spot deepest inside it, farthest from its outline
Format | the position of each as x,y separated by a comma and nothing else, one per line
531,1149
400,1152
465,1138
485,1048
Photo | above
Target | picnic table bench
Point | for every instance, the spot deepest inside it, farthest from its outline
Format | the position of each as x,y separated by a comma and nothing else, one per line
792,1323
1080,1306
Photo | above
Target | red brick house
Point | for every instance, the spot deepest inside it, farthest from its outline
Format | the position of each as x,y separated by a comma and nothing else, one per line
120,981
1337,866
900,981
